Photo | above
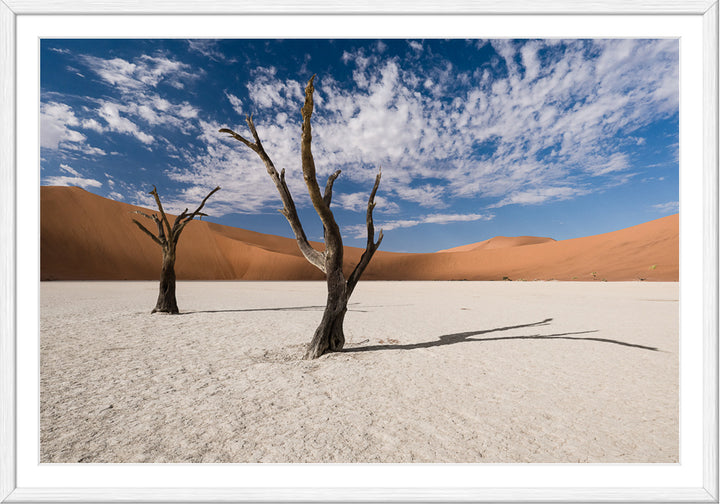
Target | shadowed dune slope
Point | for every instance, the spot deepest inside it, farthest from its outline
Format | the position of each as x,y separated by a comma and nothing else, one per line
86,237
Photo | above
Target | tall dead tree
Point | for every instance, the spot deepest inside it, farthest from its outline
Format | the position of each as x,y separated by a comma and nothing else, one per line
329,335
167,237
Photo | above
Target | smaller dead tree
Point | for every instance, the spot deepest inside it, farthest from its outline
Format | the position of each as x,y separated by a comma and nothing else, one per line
167,237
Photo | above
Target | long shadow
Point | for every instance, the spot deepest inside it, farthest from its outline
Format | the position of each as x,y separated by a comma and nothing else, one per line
451,339
283,308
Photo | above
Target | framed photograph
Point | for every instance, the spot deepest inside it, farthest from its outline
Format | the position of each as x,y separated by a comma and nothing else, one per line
529,191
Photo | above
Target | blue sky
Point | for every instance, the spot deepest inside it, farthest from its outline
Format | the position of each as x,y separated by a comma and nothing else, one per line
475,138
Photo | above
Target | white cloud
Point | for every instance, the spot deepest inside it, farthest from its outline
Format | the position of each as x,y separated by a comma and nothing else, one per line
669,207
111,113
92,124
539,195
360,230
209,49
56,134
530,60
618,161
266,91
55,122
69,169
144,72
236,103
72,181
426,195
187,111
357,202
552,120
116,196
84,148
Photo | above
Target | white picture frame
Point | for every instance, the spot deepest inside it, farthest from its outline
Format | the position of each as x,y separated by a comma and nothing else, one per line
11,10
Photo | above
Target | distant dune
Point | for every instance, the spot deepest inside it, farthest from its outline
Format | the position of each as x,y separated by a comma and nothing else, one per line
87,237
500,242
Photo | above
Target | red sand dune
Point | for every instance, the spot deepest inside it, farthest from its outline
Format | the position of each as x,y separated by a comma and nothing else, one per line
86,237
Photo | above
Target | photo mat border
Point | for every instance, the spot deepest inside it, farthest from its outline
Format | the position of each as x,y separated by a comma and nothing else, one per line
11,9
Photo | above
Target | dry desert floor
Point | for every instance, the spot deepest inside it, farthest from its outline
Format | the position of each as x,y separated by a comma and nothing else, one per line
432,372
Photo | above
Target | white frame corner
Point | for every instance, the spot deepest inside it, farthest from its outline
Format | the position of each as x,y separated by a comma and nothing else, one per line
10,10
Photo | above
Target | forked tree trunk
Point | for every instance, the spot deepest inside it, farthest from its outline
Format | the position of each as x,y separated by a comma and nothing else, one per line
166,301
329,336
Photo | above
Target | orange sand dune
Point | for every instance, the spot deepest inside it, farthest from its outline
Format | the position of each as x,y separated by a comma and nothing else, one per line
86,237
500,242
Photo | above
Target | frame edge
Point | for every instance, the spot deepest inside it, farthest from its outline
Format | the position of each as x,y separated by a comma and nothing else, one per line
7,256
360,495
7,252
710,182
367,7
8,489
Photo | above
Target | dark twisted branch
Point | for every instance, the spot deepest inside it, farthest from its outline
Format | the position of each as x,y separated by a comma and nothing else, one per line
289,210
180,223
372,245
160,238
162,212
332,231
179,218
145,230
151,217
173,233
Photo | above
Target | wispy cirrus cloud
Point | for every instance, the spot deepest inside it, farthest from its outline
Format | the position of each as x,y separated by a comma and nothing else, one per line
144,71
72,181
669,207
510,123
74,178
210,49
360,230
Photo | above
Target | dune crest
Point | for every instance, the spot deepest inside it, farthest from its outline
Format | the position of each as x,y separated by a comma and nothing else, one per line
87,237
499,242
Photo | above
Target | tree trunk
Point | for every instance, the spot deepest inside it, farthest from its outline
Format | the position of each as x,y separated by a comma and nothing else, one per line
166,302
329,335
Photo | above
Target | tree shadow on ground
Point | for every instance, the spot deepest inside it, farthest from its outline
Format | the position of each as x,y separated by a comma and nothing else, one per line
451,339
282,308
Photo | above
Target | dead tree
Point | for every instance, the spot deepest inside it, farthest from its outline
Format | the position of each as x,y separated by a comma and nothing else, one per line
167,237
329,335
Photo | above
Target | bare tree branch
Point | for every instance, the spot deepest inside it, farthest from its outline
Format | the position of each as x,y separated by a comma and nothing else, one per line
329,335
179,228
333,239
197,211
161,231
151,217
162,212
328,187
313,256
372,245
179,218
145,230
240,138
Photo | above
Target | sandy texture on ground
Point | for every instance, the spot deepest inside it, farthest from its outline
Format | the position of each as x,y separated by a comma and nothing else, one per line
433,372
86,237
